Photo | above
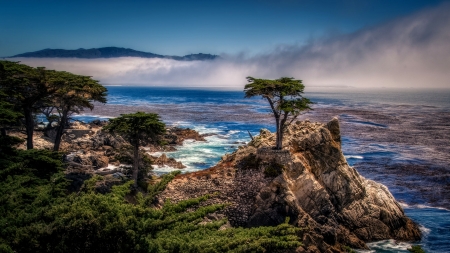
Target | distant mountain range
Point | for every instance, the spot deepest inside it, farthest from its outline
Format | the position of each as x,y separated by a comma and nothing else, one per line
109,52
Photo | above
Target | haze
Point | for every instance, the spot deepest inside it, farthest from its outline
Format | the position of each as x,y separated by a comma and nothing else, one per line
403,51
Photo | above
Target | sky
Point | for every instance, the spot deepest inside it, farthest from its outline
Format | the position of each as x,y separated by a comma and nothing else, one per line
348,43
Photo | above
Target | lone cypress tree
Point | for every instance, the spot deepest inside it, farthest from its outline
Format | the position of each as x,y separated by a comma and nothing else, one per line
136,127
285,97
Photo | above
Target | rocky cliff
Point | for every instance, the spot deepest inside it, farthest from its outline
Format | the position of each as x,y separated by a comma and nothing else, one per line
308,181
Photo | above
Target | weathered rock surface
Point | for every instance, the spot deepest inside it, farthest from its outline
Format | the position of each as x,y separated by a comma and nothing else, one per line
89,150
308,181
168,161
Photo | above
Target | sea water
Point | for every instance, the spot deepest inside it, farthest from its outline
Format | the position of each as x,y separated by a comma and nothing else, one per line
219,114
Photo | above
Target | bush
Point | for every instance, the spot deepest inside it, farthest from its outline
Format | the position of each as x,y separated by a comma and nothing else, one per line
416,249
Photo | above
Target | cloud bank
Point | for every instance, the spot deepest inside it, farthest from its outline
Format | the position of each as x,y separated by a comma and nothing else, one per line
412,51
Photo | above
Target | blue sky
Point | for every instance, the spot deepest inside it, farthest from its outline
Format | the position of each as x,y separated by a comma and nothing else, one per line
183,27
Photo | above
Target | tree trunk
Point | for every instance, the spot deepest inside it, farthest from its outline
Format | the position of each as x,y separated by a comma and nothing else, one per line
29,126
281,131
60,131
135,163
278,134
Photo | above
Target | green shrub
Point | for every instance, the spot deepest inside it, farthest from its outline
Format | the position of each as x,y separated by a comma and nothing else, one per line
416,249
348,249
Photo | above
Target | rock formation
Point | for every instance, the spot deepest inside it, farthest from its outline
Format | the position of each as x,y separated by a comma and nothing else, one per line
309,181
90,150
169,161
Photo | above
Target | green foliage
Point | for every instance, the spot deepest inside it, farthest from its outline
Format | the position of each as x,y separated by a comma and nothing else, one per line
31,90
416,249
38,215
27,89
9,115
73,93
273,169
158,187
6,147
136,127
163,143
285,97
348,249
30,183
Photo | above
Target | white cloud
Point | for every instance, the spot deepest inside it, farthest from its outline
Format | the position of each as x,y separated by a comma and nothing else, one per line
413,51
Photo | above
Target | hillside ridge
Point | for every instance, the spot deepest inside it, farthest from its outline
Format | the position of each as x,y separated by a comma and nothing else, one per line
109,52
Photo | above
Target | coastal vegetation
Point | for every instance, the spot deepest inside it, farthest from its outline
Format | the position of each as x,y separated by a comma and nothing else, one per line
285,97
254,200
40,212
59,94
137,128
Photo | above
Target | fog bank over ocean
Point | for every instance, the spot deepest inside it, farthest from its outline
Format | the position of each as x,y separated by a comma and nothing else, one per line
411,51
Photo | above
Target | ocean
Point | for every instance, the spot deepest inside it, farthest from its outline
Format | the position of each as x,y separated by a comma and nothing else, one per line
399,138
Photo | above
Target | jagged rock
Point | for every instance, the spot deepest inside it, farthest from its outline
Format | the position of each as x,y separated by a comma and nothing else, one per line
164,160
177,135
99,161
315,188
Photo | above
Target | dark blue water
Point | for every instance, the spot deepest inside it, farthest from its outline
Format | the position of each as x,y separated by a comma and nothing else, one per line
229,134
158,95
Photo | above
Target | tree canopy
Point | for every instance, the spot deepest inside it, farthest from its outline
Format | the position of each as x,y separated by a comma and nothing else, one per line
9,115
73,94
32,90
26,88
285,97
136,128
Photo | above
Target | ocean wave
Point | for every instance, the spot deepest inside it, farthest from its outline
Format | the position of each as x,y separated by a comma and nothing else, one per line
354,157
167,169
424,230
422,206
387,245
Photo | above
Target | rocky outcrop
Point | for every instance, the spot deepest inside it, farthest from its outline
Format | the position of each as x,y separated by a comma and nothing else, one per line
176,135
88,145
163,160
308,181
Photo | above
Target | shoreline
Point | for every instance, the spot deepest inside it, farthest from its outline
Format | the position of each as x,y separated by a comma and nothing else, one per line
417,163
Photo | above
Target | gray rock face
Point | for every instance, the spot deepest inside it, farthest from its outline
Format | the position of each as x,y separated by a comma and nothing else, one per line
315,188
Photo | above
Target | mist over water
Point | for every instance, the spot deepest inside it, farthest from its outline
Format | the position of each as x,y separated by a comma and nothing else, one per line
407,52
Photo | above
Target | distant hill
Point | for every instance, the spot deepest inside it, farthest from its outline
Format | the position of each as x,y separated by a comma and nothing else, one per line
109,52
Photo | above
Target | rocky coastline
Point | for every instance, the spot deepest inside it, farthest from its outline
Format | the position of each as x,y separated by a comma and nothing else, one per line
309,182
89,150
418,134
